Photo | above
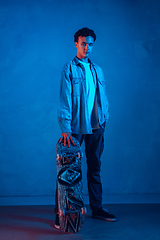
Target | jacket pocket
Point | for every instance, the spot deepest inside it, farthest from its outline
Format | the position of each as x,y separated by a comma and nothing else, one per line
76,86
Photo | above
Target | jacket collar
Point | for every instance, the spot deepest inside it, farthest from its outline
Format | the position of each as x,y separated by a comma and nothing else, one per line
78,63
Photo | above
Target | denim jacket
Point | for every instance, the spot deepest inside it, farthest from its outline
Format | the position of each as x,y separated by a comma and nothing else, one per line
73,108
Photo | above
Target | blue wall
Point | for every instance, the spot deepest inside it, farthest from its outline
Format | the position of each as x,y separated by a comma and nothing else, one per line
36,39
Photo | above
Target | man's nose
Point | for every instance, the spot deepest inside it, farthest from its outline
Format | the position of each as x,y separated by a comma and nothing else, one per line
86,47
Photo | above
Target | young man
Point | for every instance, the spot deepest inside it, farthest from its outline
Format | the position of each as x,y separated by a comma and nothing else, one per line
83,112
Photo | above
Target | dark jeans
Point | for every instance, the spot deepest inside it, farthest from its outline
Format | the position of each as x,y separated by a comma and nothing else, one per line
94,145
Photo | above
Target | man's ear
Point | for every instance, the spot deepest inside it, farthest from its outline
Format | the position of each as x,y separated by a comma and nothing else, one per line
76,43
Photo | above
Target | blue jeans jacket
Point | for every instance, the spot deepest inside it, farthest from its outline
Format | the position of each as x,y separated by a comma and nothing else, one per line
73,108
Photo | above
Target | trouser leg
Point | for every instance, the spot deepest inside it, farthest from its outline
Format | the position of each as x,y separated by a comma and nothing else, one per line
94,145
79,137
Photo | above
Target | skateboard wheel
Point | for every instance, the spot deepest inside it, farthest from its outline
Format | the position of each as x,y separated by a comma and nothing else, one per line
84,210
61,212
58,157
79,155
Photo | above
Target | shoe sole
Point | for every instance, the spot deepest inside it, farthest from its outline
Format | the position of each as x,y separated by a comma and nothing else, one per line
105,219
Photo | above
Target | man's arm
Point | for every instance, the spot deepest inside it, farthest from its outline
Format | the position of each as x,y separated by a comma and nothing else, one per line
65,107
106,98
101,79
65,101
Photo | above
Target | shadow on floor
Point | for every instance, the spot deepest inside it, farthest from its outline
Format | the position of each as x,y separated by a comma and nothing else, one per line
135,221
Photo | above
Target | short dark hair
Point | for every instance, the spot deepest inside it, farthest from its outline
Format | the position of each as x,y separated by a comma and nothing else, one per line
84,32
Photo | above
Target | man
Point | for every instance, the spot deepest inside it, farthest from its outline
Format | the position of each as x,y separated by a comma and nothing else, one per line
83,112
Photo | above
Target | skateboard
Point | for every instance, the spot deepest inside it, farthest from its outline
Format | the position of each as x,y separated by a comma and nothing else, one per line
70,187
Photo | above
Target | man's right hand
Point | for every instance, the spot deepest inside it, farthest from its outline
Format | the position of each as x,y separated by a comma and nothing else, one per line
66,138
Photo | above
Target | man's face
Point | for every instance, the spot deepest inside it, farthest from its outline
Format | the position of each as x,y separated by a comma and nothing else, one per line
84,46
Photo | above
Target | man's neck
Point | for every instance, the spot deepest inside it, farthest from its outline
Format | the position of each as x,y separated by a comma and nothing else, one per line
85,60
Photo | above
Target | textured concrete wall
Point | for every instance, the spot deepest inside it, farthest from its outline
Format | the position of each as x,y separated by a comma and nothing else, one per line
36,39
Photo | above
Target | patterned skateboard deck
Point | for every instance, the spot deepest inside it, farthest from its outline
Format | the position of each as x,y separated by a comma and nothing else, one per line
70,187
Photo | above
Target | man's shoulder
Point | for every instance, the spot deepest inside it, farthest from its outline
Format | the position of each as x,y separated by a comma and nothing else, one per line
69,64
74,61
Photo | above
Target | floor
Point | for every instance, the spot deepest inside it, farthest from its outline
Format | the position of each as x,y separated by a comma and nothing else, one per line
135,222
